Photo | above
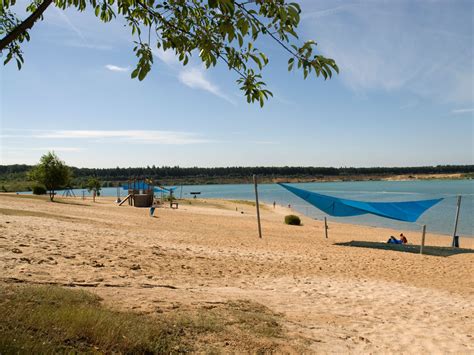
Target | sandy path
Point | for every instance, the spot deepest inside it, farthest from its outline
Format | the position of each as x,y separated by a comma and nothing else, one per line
334,298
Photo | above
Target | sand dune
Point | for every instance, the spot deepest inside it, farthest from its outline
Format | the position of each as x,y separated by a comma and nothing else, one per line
334,296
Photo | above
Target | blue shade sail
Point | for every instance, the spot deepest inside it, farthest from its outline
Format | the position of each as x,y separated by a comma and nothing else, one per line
139,185
408,211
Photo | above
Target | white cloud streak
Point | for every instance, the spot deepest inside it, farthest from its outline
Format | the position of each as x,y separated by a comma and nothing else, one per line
192,77
462,110
131,136
168,57
46,149
79,40
195,79
419,47
116,68
66,19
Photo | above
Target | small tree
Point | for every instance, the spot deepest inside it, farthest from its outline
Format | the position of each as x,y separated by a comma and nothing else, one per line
39,190
292,220
51,172
94,185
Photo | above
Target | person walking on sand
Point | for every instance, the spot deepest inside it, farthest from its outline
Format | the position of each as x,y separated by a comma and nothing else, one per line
274,204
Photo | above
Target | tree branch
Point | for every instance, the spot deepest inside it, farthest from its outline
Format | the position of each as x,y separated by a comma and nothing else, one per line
241,5
25,25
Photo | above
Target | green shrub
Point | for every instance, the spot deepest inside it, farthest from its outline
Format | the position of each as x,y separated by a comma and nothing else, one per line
39,190
293,220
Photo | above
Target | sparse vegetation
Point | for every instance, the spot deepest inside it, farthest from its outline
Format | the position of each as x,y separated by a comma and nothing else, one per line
293,220
52,319
39,190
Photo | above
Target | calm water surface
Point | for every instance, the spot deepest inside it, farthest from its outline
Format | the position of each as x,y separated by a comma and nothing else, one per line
439,218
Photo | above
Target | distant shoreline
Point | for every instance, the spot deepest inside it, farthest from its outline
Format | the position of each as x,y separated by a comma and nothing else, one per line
305,179
21,184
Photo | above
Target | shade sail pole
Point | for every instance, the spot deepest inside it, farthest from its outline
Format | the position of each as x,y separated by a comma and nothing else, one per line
326,227
458,207
258,207
423,233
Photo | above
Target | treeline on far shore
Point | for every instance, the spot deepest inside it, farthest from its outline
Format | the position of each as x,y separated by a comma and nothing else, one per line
14,177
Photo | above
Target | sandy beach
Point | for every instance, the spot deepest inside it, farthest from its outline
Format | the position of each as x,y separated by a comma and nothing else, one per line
341,294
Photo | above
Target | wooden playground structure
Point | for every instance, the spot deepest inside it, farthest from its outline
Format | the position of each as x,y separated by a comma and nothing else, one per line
141,193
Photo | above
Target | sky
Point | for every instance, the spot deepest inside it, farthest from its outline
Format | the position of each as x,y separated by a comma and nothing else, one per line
404,95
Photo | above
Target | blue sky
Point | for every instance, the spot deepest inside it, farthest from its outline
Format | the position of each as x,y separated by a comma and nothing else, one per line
404,96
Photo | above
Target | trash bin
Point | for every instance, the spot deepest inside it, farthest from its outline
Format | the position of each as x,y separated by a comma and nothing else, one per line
455,241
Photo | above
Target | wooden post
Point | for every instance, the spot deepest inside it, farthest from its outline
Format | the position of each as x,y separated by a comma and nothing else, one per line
83,194
258,207
453,244
181,193
423,233
118,194
326,227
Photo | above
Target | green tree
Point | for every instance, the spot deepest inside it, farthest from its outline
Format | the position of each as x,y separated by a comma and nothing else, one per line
94,185
51,172
213,30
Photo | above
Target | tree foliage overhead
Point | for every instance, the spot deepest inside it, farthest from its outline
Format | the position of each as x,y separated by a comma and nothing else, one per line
52,173
213,30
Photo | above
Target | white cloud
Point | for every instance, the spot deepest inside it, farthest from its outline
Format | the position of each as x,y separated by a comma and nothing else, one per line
69,23
462,110
195,78
418,47
60,149
132,136
168,57
45,149
116,68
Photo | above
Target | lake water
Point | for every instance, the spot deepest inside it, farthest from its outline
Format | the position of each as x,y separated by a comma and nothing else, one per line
439,219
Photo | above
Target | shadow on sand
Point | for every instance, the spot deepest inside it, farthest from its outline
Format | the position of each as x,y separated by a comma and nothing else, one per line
409,248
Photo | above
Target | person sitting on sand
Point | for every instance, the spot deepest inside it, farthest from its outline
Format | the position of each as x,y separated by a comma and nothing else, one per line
392,240
403,239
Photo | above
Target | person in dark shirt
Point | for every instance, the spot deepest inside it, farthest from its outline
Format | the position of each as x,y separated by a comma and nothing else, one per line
403,239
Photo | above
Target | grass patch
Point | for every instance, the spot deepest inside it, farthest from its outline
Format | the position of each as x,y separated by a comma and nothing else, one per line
57,199
209,203
47,319
223,205
248,203
52,319
27,213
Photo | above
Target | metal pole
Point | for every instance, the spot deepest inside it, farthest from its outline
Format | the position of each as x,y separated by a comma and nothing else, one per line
181,193
118,194
456,221
326,227
423,233
258,207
